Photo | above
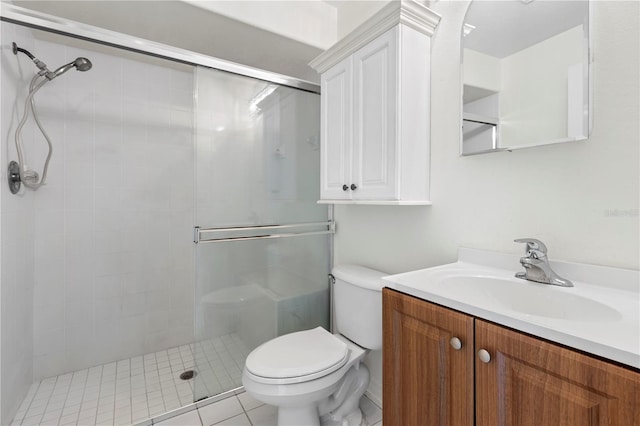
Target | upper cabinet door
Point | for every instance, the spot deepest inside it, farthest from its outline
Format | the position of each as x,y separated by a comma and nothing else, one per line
336,131
375,103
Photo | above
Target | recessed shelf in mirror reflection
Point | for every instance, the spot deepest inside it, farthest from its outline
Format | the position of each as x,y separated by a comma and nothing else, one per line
525,75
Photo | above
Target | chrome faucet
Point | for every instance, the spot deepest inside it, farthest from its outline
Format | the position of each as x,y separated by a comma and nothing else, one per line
536,264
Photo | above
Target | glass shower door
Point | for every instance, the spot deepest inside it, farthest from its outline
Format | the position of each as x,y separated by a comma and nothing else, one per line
263,243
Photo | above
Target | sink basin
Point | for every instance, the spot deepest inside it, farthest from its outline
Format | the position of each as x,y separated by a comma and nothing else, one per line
529,298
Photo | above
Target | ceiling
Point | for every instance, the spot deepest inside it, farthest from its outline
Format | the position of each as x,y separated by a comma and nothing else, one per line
206,32
506,27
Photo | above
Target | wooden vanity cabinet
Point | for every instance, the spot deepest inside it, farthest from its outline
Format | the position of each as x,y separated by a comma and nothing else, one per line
527,381
531,382
425,380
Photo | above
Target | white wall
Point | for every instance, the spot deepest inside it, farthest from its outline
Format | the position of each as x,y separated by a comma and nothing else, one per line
312,22
17,250
350,14
580,198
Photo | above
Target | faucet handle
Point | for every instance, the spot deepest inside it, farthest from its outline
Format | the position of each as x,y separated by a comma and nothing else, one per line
535,248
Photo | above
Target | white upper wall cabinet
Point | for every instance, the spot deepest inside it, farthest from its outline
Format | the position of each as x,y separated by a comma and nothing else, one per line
336,123
375,110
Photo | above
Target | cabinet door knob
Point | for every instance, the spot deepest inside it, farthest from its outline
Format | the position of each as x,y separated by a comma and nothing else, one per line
345,187
484,356
353,187
455,343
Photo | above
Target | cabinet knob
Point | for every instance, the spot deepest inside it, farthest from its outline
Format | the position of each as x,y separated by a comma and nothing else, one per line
455,343
345,187
484,356
353,187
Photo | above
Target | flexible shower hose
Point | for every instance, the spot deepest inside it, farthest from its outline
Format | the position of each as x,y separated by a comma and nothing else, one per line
29,177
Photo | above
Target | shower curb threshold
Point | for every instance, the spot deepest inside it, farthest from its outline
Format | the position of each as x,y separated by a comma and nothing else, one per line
190,407
370,409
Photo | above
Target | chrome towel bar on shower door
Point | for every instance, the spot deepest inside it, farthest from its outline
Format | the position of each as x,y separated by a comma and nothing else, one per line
257,232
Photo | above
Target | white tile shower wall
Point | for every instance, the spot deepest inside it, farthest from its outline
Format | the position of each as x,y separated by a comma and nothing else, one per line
113,226
261,140
17,248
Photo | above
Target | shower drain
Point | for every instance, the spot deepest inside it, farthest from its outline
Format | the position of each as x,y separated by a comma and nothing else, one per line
188,375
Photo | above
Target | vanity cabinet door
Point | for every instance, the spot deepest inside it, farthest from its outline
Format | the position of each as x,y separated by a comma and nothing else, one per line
531,382
426,381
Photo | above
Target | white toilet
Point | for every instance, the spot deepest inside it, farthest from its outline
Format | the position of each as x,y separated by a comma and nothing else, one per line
315,377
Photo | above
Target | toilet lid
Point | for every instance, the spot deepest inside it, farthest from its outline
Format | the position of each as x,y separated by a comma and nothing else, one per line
313,353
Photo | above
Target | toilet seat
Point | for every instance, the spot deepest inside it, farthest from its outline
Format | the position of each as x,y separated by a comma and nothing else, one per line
297,357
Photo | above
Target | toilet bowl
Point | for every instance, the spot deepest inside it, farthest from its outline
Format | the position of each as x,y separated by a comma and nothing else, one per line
317,378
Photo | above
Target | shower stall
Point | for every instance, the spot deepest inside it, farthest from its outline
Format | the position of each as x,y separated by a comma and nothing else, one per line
177,228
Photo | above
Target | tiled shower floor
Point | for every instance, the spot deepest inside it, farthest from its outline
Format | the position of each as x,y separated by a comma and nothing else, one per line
134,389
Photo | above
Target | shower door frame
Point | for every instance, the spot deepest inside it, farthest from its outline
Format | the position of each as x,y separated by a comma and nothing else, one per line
42,21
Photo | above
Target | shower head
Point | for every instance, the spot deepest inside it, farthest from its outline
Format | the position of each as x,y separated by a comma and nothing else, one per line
81,64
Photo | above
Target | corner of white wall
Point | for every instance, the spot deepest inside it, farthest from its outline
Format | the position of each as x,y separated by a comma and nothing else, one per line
351,14
313,22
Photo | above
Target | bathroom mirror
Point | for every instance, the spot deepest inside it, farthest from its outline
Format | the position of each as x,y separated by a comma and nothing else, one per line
525,66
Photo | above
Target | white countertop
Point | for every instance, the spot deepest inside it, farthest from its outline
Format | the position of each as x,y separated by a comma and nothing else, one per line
611,330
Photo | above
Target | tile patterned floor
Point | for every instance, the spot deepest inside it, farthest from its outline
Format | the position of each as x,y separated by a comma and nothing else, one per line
135,389
243,410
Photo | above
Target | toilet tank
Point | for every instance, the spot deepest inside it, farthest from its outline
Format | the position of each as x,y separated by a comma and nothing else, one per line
357,301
